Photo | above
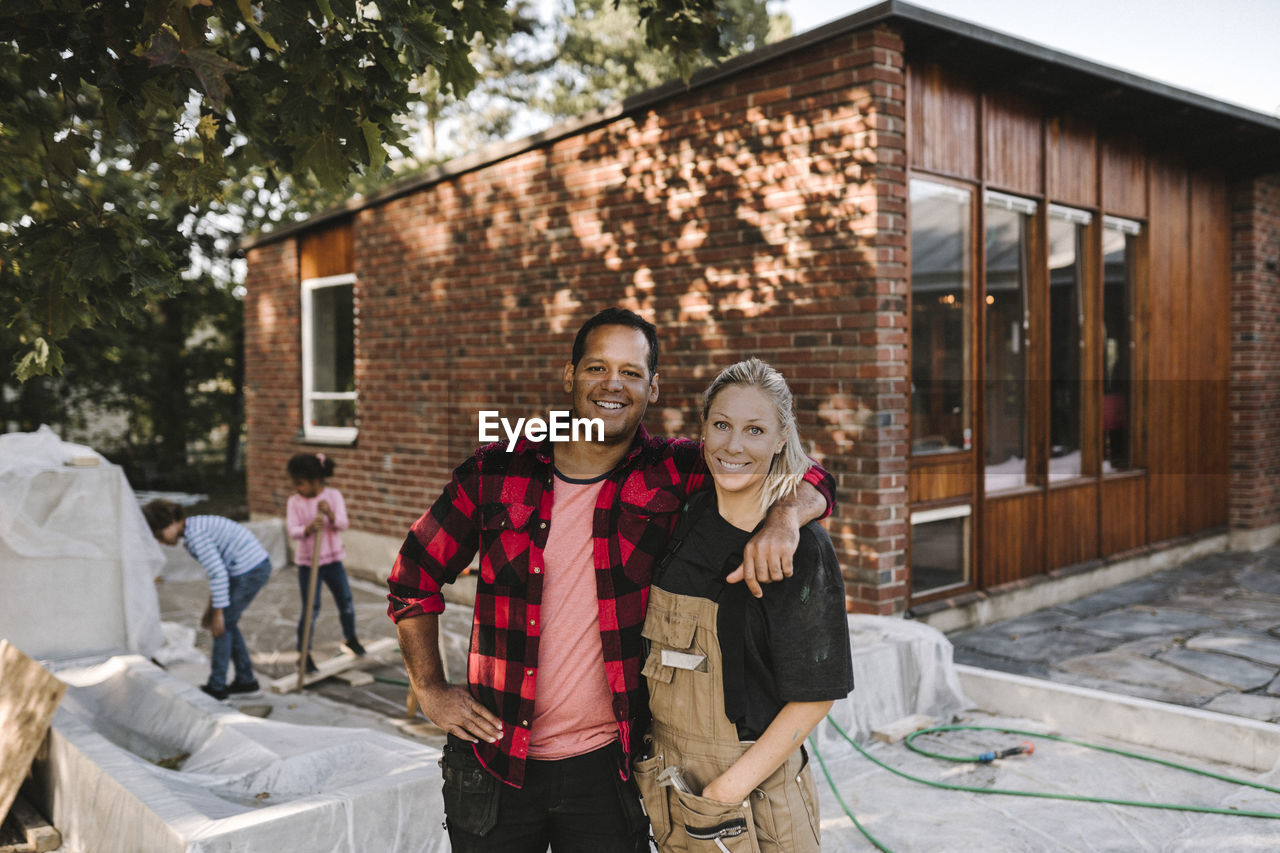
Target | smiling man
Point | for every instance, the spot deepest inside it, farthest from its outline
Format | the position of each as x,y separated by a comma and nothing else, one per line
540,738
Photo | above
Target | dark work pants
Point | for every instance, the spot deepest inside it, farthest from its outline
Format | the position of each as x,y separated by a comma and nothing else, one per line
573,805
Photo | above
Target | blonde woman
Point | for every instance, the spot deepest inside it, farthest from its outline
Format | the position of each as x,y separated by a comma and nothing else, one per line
737,683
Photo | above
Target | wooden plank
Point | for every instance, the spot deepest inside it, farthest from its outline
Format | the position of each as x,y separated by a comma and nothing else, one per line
1012,148
1072,528
1123,168
942,121
327,251
1123,515
898,729
1012,536
27,831
27,703
936,481
1071,151
334,665
1170,339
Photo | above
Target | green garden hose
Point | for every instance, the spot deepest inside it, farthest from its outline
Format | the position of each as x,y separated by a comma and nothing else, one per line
1016,793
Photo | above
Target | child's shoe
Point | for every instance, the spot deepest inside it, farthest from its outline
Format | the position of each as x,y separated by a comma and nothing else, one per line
218,694
247,689
311,666
356,648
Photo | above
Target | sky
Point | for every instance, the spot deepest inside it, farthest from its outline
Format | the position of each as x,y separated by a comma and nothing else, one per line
1227,49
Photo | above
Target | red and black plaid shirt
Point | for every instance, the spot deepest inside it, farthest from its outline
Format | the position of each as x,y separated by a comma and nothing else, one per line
500,502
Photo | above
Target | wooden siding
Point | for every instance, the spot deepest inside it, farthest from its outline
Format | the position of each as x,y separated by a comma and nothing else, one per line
1012,538
942,121
1071,527
325,252
1208,312
939,481
1123,177
1169,410
1122,514
1071,155
1012,144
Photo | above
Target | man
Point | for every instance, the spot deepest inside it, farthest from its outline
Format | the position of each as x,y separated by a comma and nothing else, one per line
540,739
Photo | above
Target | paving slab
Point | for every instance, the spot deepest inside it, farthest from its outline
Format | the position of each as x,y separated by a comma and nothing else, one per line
1226,669
1137,669
1273,689
1041,620
1265,708
1263,579
1041,647
1144,621
1250,645
976,657
1150,589
1232,606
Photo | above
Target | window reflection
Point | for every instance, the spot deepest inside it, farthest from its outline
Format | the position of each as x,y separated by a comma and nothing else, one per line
1119,237
1067,230
940,267
939,548
1005,434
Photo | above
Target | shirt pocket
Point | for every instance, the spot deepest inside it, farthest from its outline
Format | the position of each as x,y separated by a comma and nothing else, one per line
645,522
505,537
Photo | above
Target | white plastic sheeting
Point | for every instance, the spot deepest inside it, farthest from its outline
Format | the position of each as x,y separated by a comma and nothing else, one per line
77,560
900,668
241,783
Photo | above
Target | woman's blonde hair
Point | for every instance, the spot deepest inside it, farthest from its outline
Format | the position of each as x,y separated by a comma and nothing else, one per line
790,463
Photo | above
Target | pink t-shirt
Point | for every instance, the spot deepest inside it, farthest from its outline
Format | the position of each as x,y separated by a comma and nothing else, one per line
299,512
573,708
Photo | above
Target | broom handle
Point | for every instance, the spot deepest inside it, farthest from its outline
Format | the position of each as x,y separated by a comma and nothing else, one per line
307,608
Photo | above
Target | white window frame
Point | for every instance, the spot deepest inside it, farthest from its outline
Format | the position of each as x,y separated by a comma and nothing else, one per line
312,432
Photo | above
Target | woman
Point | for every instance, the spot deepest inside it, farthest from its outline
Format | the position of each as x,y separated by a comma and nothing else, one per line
737,683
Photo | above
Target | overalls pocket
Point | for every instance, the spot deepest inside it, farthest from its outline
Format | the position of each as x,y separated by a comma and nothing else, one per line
654,796
713,826
470,793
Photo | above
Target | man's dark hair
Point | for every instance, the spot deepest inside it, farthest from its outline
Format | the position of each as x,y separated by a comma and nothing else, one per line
160,513
618,317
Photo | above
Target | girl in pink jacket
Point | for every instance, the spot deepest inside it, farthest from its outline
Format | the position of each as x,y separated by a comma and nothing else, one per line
318,509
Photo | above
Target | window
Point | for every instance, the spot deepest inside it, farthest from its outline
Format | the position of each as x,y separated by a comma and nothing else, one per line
940,297
1008,319
1119,237
328,358
939,548
1068,231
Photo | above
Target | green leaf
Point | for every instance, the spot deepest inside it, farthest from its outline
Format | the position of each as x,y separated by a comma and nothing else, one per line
323,157
251,20
373,141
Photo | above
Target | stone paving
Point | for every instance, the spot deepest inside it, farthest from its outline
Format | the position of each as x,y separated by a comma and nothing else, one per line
1205,634
270,629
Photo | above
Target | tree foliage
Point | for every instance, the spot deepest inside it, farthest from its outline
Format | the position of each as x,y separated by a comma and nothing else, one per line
586,55
122,119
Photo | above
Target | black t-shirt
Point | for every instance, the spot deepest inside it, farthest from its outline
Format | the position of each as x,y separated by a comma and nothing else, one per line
792,645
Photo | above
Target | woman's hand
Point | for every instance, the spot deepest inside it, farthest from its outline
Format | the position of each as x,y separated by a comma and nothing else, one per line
723,792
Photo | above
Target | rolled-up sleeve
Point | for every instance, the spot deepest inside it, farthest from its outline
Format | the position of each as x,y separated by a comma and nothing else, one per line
438,547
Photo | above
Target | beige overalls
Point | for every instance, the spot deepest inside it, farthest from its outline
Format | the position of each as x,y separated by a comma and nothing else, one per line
692,733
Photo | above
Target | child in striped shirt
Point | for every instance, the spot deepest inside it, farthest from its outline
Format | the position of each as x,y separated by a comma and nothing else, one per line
238,566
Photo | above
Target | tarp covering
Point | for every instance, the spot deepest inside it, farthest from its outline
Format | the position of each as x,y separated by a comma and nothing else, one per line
141,761
77,560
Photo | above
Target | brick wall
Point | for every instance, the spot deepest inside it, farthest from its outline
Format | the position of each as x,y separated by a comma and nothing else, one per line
1255,353
762,214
